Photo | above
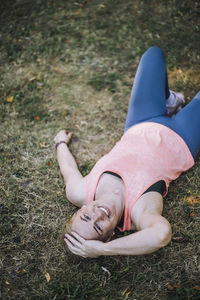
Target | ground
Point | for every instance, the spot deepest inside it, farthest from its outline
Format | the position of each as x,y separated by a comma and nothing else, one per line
71,64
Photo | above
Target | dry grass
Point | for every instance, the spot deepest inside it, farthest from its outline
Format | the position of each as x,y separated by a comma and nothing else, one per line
71,65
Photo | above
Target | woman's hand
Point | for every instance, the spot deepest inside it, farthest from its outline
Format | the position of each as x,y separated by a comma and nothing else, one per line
63,136
85,248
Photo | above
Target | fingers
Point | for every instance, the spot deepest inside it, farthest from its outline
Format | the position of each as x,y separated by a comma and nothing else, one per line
69,136
73,249
64,136
73,240
68,133
78,237
79,246
74,246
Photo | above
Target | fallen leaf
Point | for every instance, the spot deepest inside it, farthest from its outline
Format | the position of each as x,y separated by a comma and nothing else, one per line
50,163
197,287
43,144
21,271
37,118
171,287
180,71
192,214
65,113
191,200
10,99
32,79
77,13
47,276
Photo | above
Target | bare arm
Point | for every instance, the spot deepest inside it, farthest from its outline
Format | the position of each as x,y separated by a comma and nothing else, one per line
74,181
157,234
154,231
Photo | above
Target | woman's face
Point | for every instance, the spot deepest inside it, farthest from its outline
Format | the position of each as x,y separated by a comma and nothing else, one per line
96,221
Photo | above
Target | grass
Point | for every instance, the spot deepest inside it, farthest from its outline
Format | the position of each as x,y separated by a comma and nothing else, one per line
67,64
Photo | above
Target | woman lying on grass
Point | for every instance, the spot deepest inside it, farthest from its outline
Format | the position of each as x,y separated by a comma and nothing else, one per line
125,189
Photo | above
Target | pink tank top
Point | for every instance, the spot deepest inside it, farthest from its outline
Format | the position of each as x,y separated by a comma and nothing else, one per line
147,152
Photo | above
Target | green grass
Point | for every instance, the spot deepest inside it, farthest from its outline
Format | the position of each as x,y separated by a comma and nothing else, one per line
70,64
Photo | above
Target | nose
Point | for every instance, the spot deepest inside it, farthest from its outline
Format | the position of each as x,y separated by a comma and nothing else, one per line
98,214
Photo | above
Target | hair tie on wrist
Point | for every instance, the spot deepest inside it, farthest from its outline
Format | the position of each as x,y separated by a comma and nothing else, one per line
61,142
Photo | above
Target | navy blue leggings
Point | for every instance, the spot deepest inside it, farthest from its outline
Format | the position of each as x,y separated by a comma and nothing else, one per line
148,101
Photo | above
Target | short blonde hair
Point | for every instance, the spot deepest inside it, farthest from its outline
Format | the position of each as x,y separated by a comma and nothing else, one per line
67,228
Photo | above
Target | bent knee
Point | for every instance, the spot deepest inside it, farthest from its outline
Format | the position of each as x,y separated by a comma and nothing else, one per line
154,51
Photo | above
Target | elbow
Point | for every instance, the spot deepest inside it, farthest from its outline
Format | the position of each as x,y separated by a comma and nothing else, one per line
164,235
73,197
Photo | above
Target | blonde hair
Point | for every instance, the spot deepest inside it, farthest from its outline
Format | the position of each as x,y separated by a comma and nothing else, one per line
67,228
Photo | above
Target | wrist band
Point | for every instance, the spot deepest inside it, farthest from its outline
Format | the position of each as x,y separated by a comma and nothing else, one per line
61,142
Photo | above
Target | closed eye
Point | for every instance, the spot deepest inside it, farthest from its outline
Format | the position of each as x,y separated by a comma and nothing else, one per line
85,218
98,229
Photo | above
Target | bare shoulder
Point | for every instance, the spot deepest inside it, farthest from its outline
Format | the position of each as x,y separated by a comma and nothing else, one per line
76,192
148,203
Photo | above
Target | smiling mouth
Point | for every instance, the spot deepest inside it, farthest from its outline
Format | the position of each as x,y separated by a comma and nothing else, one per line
106,210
